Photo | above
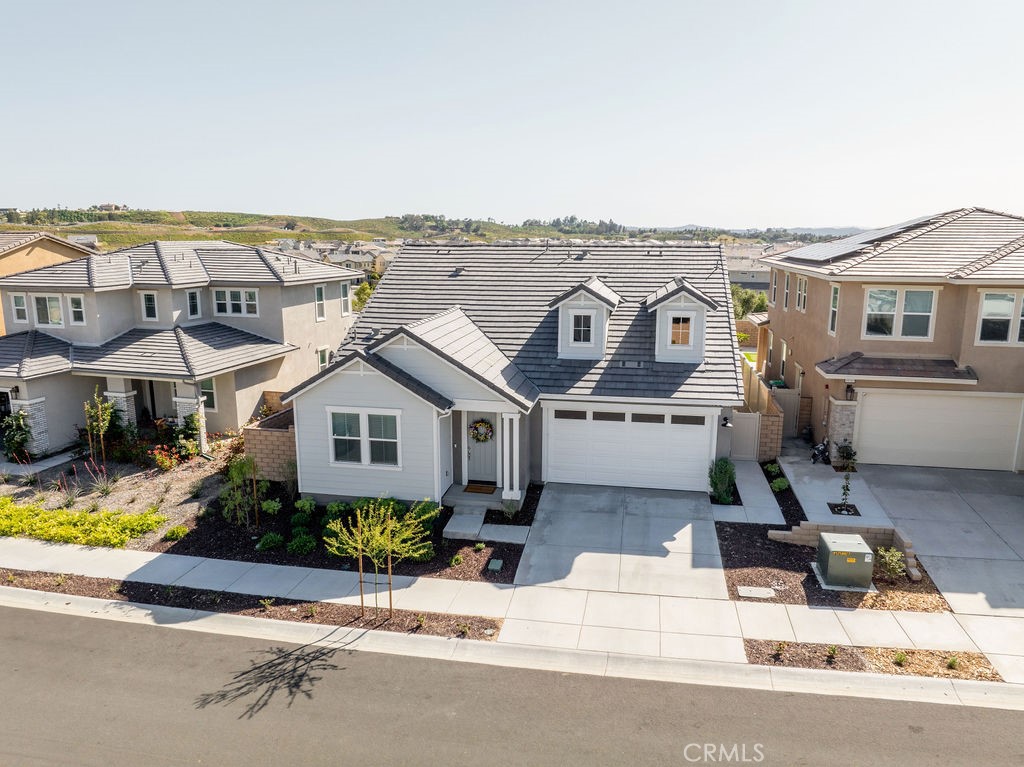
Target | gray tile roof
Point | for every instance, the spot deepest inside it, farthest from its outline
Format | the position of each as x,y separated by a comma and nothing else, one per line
506,292
13,240
31,354
674,287
964,244
594,288
856,365
197,351
454,336
381,365
181,264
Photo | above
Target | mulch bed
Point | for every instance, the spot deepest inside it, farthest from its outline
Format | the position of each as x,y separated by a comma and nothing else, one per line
749,558
843,509
325,613
211,535
792,511
880,660
525,514
735,501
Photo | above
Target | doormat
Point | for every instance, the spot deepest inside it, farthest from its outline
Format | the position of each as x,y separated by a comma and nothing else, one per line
472,487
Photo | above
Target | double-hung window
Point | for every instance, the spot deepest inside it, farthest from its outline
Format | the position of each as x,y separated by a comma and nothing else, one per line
236,301
195,306
209,394
48,311
771,344
149,312
775,287
1002,318
77,306
833,312
680,326
801,294
319,301
785,294
322,358
899,313
782,360
583,328
19,307
346,300
365,437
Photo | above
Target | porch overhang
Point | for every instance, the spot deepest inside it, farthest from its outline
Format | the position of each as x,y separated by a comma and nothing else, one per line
858,367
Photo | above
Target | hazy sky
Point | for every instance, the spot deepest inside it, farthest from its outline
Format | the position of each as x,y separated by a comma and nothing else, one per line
729,113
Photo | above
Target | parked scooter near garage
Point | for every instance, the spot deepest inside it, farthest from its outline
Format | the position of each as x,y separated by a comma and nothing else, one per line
820,452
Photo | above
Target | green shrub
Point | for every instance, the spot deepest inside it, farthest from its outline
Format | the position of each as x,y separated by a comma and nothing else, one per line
385,505
891,562
334,511
271,506
779,484
425,555
16,436
773,469
306,505
301,545
953,663
270,541
722,477
300,530
176,533
104,528
899,658
480,546
455,561
301,519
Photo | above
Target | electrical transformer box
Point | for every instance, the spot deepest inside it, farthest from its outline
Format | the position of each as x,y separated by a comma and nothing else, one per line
844,560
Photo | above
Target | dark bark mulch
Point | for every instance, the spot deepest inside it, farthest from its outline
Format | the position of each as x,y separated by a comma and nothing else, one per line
873,659
526,512
843,509
326,613
211,535
792,511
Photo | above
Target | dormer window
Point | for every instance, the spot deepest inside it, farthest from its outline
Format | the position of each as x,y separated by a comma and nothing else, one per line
583,328
679,330
583,313
680,312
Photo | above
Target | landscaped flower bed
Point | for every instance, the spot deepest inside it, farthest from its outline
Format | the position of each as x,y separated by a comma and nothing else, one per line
89,528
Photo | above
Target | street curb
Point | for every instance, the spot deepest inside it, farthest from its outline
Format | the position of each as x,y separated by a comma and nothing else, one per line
709,673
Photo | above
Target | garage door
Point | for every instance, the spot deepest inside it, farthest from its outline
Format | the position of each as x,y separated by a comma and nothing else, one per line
633,449
918,428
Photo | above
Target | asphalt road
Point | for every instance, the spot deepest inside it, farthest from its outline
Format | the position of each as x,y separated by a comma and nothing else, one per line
84,692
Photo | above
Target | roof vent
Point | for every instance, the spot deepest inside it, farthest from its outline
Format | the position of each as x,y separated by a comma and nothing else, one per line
458,271
632,364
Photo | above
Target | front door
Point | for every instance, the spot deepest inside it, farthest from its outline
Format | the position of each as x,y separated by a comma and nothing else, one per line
482,457
5,404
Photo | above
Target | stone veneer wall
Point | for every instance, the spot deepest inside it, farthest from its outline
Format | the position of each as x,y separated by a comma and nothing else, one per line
272,443
806,534
35,417
804,419
841,420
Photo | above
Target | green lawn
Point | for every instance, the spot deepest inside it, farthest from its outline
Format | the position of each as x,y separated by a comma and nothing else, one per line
752,356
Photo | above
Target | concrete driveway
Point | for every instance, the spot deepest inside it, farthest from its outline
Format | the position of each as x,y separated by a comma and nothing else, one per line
966,525
626,540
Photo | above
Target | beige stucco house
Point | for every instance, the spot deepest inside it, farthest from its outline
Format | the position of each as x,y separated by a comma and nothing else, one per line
167,329
20,251
907,340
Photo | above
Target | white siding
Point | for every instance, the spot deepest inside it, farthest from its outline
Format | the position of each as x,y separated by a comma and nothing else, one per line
664,352
599,325
364,388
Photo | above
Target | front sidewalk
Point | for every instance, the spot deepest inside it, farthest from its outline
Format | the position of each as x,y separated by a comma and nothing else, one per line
640,625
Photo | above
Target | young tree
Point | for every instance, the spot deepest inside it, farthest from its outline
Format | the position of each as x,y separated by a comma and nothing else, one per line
384,534
98,413
362,295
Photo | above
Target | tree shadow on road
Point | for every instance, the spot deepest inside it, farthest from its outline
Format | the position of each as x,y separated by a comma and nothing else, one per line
292,672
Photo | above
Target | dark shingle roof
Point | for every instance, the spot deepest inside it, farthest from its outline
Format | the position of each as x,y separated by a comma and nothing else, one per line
454,336
31,354
856,365
674,287
592,287
381,365
197,351
506,292
181,264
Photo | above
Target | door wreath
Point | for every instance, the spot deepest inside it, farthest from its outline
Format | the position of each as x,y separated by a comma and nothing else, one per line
481,431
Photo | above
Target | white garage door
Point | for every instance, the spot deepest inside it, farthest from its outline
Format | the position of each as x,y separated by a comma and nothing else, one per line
918,428
622,447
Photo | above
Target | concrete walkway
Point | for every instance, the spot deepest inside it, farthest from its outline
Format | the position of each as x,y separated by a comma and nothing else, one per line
816,485
21,469
759,504
641,625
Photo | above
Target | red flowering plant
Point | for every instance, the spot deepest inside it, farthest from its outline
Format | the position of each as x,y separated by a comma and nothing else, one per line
166,457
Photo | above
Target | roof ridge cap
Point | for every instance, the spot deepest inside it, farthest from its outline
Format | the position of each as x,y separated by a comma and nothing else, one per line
987,260
30,342
179,335
161,260
940,221
278,275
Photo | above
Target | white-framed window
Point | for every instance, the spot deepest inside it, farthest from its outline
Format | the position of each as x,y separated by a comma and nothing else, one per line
195,304
582,329
1000,318
367,437
771,343
236,301
772,294
77,306
833,311
782,360
208,392
48,311
785,294
320,302
322,357
149,311
346,300
19,307
801,294
905,313
680,330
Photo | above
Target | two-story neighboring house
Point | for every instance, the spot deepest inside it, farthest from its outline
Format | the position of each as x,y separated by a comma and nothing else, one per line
166,329
610,364
909,340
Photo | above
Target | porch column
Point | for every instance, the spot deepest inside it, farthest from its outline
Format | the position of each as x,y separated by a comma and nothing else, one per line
35,418
189,401
122,398
510,444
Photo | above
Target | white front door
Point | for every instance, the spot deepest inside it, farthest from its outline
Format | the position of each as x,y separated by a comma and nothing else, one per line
482,457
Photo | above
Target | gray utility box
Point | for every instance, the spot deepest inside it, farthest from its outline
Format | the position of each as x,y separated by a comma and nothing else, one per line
844,560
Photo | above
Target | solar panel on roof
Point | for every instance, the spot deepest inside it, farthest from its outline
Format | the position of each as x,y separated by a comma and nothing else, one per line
826,251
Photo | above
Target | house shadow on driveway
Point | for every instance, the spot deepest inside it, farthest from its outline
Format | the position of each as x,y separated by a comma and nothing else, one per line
627,540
